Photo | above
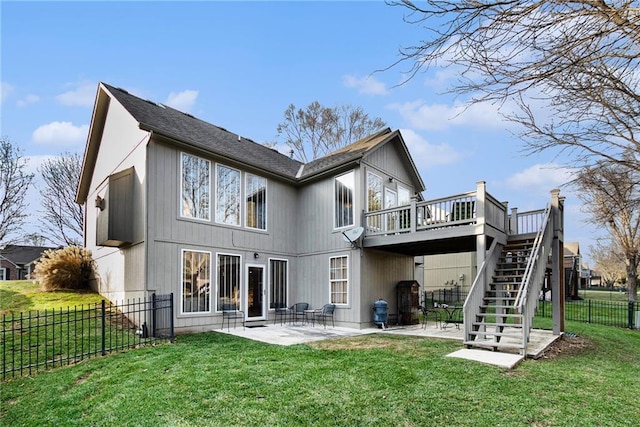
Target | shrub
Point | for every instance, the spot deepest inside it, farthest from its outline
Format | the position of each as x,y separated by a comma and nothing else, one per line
66,268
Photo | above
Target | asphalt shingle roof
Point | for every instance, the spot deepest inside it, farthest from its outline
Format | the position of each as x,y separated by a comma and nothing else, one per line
20,255
176,124
184,127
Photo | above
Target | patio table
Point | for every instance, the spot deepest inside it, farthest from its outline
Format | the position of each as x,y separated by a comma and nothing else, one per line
451,319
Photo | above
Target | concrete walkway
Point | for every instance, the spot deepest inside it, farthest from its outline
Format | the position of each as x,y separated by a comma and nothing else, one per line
291,334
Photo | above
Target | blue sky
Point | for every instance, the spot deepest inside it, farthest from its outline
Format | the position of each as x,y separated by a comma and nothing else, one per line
240,64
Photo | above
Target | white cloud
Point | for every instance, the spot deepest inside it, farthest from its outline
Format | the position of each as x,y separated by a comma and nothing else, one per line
5,91
539,178
29,99
441,116
82,95
60,134
426,155
367,85
182,101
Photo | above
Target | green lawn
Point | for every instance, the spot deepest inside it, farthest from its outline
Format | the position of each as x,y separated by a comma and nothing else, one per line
213,379
23,296
603,295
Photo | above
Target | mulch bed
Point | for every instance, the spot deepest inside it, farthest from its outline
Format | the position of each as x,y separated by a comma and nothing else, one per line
567,345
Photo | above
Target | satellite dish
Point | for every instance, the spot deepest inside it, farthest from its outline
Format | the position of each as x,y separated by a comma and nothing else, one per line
352,236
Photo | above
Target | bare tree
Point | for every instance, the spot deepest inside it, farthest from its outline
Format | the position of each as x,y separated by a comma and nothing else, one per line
14,183
62,217
317,130
612,194
568,68
608,262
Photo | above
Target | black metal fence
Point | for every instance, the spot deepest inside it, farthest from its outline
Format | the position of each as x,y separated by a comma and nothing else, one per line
452,296
621,314
607,313
36,341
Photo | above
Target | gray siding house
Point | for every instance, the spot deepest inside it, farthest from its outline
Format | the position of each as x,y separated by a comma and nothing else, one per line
178,205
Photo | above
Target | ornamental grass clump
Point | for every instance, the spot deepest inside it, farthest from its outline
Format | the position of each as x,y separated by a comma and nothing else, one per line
66,268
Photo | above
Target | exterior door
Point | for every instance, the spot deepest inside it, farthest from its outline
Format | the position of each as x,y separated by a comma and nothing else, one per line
391,201
255,292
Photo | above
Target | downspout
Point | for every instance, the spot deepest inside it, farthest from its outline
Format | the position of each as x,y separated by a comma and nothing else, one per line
145,205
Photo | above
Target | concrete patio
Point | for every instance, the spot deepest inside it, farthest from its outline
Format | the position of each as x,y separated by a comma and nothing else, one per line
292,334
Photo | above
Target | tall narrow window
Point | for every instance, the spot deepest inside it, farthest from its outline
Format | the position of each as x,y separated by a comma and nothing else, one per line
343,193
196,282
339,279
278,283
195,187
256,197
228,280
227,195
404,196
374,192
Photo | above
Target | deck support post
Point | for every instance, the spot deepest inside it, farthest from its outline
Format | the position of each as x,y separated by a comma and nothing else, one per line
557,269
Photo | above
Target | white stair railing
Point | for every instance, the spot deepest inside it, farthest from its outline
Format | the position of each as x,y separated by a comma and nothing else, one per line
527,298
478,289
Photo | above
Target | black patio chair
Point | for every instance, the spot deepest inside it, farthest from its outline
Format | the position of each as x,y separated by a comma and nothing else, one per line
298,311
434,312
230,311
281,310
322,314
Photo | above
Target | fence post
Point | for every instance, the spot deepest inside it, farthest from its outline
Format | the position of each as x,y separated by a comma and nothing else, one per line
154,307
589,313
171,316
104,324
631,304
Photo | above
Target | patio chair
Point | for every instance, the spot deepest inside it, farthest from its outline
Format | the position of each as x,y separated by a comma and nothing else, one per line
322,314
434,312
230,311
298,311
281,310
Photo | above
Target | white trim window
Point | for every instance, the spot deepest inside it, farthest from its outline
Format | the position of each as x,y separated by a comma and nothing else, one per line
195,184
255,201
374,192
227,195
344,186
404,196
229,280
339,279
3,273
278,283
195,291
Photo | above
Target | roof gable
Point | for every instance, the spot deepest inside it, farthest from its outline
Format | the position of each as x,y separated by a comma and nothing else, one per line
358,151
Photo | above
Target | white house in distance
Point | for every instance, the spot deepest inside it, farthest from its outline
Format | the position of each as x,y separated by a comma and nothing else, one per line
178,205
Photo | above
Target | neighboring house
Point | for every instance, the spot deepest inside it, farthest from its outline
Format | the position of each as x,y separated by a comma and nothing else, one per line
18,262
178,205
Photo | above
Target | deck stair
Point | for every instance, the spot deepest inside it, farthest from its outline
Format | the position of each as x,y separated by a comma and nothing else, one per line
497,324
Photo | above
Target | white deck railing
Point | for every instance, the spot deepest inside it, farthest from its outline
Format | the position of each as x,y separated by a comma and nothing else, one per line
472,208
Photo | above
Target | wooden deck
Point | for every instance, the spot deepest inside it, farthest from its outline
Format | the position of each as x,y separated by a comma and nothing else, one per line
446,225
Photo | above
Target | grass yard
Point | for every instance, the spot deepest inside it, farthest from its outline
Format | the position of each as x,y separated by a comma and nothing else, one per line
603,295
214,379
24,295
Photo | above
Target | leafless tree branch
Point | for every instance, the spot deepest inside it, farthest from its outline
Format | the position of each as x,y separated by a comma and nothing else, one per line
14,183
577,58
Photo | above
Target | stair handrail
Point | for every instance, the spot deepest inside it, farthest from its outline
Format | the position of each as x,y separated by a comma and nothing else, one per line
476,294
534,275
